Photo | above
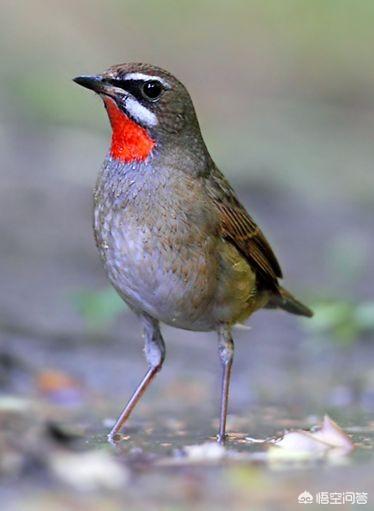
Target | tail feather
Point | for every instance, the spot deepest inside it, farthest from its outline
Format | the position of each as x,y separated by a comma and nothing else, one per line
286,301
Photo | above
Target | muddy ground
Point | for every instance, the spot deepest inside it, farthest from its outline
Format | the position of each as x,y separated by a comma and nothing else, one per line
63,381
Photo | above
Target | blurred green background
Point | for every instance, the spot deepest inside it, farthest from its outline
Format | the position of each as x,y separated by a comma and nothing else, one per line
284,92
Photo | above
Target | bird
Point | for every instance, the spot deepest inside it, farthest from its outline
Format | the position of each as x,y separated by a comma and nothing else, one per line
175,241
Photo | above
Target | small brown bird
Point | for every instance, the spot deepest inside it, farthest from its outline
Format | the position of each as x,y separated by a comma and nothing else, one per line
175,241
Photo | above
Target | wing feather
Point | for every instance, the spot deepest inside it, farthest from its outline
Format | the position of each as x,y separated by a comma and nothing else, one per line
238,227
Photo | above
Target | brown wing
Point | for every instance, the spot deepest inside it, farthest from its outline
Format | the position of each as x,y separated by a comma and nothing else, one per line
238,227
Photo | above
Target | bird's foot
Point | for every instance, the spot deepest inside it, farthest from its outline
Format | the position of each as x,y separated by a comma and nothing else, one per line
221,438
114,438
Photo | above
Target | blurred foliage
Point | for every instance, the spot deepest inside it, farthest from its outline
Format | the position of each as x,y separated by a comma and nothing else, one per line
344,322
294,48
285,97
282,88
98,308
348,255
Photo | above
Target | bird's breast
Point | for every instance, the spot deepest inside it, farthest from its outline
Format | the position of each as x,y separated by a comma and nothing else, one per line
158,244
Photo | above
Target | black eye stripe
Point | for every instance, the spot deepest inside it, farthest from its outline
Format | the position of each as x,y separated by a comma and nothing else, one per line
132,86
135,87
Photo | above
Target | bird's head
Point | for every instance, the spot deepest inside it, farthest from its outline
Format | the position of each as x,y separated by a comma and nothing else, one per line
147,107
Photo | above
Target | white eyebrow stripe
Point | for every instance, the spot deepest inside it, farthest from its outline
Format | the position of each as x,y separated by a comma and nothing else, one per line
141,76
140,112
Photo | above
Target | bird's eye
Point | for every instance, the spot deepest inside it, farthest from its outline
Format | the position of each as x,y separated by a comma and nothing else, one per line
151,90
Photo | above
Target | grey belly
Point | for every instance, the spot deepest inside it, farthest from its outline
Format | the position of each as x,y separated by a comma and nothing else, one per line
174,279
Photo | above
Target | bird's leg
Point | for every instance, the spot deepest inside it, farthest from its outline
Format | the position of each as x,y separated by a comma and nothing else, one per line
226,354
155,355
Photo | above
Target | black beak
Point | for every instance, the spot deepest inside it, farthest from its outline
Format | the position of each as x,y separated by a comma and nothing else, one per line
92,82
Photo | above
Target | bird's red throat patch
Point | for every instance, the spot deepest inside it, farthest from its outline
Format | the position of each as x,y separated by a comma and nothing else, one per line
130,142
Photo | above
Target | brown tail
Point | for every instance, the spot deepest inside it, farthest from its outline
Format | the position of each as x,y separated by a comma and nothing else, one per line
287,302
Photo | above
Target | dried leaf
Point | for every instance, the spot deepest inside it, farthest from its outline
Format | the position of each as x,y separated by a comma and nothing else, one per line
329,439
89,471
333,435
209,451
59,386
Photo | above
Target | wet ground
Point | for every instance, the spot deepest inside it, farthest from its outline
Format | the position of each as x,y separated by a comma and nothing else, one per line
55,455
60,397
63,382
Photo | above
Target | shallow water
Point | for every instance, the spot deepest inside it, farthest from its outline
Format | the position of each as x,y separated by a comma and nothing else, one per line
60,402
62,384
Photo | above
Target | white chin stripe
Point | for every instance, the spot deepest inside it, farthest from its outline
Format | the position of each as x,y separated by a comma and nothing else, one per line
140,113
142,76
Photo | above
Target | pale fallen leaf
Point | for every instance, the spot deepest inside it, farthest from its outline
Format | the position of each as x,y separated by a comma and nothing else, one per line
252,440
17,404
209,451
328,440
333,434
89,471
